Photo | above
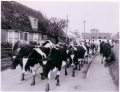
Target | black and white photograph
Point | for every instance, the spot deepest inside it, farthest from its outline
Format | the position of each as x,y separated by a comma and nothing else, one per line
60,46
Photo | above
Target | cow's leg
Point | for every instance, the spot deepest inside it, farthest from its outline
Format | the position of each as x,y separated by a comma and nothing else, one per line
76,65
66,70
68,63
73,72
48,82
22,77
79,65
24,61
34,74
86,60
103,59
57,78
23,74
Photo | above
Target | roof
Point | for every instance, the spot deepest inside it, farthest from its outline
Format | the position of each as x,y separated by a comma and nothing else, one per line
19,8
15,16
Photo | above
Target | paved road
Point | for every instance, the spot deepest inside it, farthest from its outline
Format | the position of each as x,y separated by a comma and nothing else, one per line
98,79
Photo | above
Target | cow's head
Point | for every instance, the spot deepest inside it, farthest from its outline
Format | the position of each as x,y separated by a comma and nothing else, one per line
46,69
15,61
14,58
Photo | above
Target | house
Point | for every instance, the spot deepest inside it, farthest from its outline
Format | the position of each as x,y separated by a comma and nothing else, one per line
19,22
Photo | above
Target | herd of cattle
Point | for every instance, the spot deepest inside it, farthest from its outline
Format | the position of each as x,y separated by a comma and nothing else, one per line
52,56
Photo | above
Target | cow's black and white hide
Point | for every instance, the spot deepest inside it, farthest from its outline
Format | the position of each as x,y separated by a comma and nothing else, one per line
19,59
79,58
38,58
101,47
77,54
29,57
93,48
87,45
106,51
35,60
71,49
55,60
80,55
23,52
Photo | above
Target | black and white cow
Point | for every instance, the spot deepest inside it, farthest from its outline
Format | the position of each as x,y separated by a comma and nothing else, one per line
38,57
55,60
30,58
106,51
19,59
77,55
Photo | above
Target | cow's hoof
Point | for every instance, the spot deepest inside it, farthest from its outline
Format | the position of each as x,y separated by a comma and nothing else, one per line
47,88
73,75
13,68
87,62
32,84
57,84
105,65
56,77
66,74
22,79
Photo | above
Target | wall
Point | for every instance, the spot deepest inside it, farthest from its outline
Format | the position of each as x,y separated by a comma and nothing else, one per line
4,36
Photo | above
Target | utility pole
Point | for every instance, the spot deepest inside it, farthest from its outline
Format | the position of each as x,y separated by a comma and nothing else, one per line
66,28
84,29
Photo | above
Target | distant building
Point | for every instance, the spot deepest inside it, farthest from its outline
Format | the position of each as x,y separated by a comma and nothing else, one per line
94,31
95,36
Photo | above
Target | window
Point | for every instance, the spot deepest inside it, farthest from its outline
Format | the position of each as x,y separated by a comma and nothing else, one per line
26,36
10,36
35,37
99,37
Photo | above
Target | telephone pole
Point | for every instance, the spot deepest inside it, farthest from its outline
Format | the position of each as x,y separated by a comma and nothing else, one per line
66,28
84,29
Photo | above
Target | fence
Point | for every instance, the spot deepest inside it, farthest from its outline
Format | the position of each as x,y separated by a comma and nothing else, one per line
5,52
116,51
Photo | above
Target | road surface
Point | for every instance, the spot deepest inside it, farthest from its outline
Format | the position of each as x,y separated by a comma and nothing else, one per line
98,80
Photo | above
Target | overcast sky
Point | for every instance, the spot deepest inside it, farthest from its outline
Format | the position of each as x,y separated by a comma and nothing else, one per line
98,15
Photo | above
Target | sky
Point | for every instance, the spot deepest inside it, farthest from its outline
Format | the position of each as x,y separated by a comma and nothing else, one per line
103,16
